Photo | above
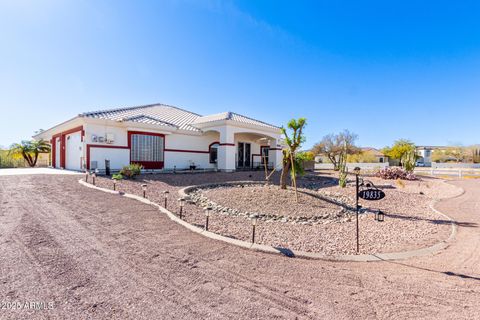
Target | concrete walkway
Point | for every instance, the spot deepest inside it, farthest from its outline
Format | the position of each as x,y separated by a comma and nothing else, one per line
30,171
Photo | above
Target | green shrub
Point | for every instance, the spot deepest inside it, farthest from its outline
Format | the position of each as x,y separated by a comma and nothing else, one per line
131,170
117,176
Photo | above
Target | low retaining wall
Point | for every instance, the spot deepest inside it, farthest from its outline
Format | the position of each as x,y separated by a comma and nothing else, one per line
292,253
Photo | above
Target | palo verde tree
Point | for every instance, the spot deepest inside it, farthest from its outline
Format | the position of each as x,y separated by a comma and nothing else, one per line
402,150
29,150
293,142
337,146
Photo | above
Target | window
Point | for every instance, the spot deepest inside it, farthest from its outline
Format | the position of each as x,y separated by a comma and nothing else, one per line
146,148
213,153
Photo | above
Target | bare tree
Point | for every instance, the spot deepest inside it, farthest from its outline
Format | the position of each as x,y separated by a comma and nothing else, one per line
333,147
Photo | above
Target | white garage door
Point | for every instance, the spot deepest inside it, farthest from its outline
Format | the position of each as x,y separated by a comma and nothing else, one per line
73,151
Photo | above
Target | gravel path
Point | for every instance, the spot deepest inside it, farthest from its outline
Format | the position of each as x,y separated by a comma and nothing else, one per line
101,256
410,223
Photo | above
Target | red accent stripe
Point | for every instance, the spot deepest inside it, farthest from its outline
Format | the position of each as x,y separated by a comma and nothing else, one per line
227,144
187,151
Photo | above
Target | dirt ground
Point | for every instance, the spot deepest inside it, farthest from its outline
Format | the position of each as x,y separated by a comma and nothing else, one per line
93,255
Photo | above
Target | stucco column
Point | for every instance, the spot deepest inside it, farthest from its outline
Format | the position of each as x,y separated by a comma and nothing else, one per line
275,154
226,150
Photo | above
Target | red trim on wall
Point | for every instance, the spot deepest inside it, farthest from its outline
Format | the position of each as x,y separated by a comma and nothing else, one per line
187,151
53,143
89,146
62,135
211,144
227,144
275,148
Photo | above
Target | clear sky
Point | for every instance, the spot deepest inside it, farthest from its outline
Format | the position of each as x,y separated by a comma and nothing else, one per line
382,69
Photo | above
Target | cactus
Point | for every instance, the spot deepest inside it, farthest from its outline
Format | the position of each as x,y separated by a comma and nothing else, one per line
408,160
342,165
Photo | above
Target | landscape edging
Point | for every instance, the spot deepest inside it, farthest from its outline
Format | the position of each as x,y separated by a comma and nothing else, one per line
293,253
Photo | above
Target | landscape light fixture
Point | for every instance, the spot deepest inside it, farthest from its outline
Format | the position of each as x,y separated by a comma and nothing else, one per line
182,203
86,175
94,175
254,224
144,188
114,184
356,170
207,216
165,195
380,216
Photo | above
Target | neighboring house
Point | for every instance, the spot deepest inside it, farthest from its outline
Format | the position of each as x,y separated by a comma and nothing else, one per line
379,156
424,154
163,137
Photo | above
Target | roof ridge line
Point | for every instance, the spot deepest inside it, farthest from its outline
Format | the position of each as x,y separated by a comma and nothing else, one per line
149,117
268,124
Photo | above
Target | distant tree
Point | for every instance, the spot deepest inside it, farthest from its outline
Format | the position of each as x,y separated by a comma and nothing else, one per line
293,142
333,147
29,150
400,149
451,154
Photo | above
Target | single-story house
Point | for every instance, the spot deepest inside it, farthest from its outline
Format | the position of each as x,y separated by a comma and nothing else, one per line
380,157
164,137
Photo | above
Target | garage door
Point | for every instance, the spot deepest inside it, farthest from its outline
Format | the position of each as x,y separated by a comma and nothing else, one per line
73,151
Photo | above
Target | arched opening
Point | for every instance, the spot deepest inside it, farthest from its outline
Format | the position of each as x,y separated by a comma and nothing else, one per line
213,152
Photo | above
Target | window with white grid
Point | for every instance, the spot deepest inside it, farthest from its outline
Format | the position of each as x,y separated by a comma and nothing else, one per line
146,148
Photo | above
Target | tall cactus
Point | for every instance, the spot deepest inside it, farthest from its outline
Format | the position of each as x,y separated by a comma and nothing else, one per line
408,160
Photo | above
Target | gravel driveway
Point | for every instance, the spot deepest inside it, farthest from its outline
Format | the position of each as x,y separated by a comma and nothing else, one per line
94,255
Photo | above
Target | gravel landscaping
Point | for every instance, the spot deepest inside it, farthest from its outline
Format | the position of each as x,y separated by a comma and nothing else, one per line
320,222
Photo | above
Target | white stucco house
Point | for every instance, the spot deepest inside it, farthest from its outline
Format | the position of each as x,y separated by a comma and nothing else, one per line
163,137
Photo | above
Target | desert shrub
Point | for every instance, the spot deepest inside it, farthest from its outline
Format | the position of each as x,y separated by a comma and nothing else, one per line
395,173
117,176
131,170
400,183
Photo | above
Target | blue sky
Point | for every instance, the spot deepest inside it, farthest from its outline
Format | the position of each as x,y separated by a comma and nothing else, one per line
382,69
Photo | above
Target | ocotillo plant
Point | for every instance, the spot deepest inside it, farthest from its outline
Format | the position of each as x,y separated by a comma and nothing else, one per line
343,170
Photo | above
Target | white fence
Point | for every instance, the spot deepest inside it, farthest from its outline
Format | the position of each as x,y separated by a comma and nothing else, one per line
351,166
450,172
456,165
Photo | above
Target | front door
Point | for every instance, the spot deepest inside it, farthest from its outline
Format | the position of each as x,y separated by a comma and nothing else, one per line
243,155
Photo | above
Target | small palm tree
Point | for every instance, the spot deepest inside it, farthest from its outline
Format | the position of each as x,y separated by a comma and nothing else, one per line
29,150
